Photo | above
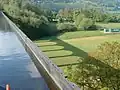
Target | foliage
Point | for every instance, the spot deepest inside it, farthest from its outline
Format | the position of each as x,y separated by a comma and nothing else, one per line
78,19
69,49
65,14
109,25
66,27
100,71
109,54
86,18
97,15
33,20
86,23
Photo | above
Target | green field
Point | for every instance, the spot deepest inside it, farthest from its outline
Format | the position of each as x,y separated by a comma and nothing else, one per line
81,34
77,34
64,52
109,25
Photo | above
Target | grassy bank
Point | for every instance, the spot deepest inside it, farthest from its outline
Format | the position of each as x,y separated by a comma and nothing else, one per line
77,34
65,52
68,48
109,25
81,34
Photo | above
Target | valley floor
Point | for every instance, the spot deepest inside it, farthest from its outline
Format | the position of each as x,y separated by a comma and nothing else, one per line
70,51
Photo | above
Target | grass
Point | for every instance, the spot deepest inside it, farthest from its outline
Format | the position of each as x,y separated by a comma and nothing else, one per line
77,34
66,52
81,34
68,48
109,25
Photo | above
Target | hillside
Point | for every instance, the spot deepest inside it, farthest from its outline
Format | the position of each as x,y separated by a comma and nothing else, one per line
54,5
72,1
108,3
59,4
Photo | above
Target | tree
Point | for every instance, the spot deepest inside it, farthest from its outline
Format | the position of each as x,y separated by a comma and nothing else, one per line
60,13
66,14
86,23
33,20
78,20
82,22
66,27
100,71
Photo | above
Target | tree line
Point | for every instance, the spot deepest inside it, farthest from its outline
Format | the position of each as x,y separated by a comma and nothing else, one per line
85,19
33,20
37,22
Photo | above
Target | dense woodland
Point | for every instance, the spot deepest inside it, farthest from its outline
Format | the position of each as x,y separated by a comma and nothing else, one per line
34,21
37,22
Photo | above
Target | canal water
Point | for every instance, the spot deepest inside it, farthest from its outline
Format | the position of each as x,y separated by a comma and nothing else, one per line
16,67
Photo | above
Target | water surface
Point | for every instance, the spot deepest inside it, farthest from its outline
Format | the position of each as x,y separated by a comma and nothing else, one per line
16,67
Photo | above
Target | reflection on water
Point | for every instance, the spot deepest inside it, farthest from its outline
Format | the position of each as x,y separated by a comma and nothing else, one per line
4,25
9,45
16,68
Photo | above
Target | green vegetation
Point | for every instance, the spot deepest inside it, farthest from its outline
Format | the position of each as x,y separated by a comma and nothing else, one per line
100,71
66,27
77,34
90,64
69,51
59,4
36,22
85,19
33,20
109,25
82,33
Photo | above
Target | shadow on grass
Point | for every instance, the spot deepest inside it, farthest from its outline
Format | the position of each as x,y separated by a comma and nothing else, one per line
52,50
66,47
46,45
109,76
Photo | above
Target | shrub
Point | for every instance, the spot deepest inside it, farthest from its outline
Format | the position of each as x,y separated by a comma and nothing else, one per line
86,23
100,71
66,27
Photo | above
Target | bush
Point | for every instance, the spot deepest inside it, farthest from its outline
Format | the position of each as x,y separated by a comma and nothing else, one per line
100,71
31,19
86,23
66,27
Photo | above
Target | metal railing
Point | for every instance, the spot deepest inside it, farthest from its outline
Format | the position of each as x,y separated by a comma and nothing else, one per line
50,72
